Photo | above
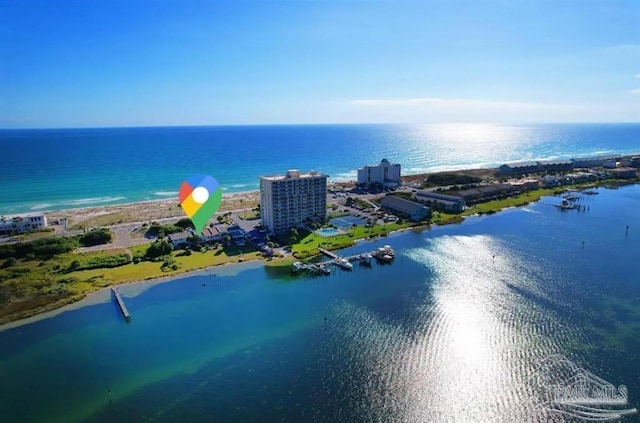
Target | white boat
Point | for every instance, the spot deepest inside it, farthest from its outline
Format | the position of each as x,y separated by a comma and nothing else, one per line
385,254
325,270
344,263
365,259
297,266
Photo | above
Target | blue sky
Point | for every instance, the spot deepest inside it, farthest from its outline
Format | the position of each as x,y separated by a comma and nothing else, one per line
130,63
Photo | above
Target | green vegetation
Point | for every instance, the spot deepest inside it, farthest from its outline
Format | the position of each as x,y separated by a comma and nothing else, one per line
358,202
40,248
444,179
95,237
308,243
158,249
29,286
161,231
403,195
250,215
185,223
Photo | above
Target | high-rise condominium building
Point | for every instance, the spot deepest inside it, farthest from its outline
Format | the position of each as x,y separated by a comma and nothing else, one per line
287,201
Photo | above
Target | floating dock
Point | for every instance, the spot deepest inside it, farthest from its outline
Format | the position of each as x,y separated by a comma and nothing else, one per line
123,308
383,255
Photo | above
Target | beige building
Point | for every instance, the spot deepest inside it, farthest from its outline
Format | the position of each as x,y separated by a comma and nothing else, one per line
287,201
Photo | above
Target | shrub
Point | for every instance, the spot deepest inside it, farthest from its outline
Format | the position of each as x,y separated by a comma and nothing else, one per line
158,249
96,237
185,223
9,262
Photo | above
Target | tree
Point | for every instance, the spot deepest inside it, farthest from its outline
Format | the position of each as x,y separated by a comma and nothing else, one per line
96,237
185,223
158,249
293,232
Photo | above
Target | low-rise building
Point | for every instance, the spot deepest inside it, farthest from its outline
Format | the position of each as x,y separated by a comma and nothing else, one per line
523,185
549,181
22,223
209,235
580,177
435,200
555,165
486,193
623,173
235,231
519,168
180,239
405,208
586,162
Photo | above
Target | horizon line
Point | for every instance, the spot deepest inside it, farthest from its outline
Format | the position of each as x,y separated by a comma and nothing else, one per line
235,125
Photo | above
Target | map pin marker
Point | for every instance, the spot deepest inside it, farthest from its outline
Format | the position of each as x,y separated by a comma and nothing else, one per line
200,197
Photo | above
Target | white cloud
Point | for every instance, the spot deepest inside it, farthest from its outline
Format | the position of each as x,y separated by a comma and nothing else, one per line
637,75
635,91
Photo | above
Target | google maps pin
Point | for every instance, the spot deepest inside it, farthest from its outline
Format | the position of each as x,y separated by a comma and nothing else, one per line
200,196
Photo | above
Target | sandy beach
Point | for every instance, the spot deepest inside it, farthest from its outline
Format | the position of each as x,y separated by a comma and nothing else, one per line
143,211
153,210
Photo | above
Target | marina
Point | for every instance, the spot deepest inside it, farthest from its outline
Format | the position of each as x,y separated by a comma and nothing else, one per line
382,255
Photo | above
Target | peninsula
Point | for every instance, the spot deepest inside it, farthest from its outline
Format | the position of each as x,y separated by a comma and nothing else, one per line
85,250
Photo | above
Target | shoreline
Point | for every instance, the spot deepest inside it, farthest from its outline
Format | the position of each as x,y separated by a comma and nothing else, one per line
128,290
104,294
75,301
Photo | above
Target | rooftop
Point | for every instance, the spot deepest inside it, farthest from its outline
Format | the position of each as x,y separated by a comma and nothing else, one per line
294,174
32,214
180,235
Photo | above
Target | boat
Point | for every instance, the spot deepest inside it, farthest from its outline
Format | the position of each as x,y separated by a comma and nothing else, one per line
385,254
386,258
344,263
325,270
365,259
298,266
566,205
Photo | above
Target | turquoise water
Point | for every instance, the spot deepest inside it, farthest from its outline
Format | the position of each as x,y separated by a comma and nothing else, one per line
451,331
67,168
326,232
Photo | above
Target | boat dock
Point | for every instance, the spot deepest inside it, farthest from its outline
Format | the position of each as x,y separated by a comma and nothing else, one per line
328,253
383,255
123,308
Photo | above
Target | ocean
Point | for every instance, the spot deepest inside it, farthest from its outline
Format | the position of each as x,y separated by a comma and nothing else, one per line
454,330
51,169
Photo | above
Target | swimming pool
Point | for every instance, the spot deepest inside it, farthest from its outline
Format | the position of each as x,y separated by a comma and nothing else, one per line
328,232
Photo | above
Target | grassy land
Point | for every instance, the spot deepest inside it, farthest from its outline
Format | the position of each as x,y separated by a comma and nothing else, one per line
250,215
309,242
29,287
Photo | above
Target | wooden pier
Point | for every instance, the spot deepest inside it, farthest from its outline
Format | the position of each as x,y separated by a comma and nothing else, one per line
328,253
123,308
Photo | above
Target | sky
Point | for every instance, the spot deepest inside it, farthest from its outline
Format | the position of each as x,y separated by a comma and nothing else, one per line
90,63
